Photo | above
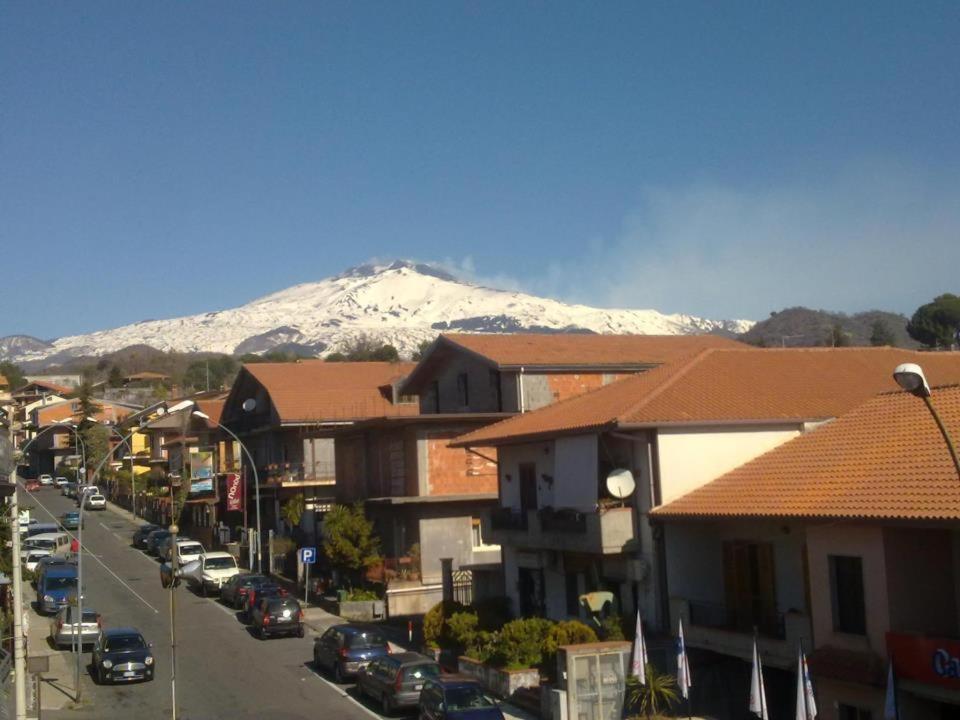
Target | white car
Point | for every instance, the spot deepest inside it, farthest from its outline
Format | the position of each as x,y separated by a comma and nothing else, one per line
187,551
33,558
211,571
60,481
96,502
46,479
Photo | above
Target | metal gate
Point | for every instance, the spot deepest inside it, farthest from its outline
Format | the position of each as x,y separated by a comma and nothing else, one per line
463,586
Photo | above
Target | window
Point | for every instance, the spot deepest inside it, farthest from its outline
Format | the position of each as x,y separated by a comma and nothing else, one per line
477,535
849,712
434,396
463,390
846,590
573,594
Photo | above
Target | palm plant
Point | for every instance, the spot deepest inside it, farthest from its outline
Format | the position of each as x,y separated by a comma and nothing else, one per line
653,698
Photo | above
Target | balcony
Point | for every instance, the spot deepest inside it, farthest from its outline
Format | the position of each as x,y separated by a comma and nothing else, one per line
609,531
711,626
297,474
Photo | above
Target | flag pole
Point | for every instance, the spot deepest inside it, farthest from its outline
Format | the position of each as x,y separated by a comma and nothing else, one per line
802,679
763,690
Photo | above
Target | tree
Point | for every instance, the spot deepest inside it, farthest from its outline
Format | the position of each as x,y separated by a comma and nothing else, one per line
293,509
365,349
349,541
837,337
87,406
881,335
115,377
936,324
209,373
422,348
13,374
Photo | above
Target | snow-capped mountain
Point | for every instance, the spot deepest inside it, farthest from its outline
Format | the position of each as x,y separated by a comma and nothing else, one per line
401,303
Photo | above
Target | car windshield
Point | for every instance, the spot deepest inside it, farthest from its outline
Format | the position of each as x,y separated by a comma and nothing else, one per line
72,516
60,582
419,672
220,563
42,544
35,557
279,606
367,639
97,498
191,549
89,616
248,580
467,698
124,642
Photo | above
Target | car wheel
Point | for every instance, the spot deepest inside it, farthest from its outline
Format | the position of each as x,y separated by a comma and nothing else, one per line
338,674
386,703
203,589
300,632
316,659
263,632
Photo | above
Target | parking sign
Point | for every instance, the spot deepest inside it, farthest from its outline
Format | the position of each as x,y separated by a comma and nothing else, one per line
308,555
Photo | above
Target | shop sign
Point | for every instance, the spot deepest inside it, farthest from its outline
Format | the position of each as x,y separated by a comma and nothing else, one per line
934,661
234,492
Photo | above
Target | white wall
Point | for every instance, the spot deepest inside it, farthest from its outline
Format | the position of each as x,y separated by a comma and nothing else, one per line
575,473
692,457
510,457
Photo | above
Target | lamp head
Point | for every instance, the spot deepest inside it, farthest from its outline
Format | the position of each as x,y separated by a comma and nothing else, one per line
182,405
200,414
910,377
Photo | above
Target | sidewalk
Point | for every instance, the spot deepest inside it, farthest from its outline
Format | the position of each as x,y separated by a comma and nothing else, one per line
58,683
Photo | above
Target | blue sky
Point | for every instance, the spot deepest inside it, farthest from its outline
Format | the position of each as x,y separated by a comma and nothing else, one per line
720,159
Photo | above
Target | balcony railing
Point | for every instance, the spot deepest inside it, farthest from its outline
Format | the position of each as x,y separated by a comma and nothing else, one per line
298,474
562,520
605,530
504,518
714,615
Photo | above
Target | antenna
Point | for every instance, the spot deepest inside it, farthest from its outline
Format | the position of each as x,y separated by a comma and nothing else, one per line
620,483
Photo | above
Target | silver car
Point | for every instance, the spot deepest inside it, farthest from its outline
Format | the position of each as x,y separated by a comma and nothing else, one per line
64,627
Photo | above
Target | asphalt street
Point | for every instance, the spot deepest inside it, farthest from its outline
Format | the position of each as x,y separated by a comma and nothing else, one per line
222,670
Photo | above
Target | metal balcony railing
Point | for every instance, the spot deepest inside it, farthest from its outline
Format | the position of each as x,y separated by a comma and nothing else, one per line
719,617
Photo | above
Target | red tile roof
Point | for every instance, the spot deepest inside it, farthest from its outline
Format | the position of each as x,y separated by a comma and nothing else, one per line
315,391
727,386
885,459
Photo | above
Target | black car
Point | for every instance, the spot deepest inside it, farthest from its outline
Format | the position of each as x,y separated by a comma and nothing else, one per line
395,681
154,538
277,616
234,591
256,592
140,535
122,655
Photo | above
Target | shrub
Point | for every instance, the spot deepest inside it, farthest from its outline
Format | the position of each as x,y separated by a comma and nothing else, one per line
493,612
362,594
461,629
434,622
656,696
611,628
568,632
520,643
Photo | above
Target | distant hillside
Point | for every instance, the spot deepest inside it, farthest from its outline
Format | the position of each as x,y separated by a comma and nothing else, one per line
803,327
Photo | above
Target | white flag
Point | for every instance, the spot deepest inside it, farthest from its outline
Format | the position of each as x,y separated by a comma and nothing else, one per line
890,706
806,705
638,668
683,666
758,697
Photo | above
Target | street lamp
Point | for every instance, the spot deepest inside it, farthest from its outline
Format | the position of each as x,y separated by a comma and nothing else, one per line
910,377
253,465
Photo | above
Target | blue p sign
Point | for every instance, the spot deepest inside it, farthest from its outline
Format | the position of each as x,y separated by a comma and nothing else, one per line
308,555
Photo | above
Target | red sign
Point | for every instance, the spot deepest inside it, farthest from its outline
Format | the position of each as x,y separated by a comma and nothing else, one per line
934,661
234,492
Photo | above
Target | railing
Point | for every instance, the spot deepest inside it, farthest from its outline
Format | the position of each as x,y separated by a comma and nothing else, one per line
504,518
562,520
719,617
280,473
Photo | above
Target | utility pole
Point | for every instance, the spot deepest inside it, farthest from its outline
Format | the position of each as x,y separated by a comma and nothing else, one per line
19,662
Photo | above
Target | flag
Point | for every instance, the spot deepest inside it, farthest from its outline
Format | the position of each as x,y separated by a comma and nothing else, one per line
683,666
890,705
758,697
638,667
806,706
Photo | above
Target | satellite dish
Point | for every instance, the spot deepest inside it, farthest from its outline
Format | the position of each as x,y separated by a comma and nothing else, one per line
620,483
249,404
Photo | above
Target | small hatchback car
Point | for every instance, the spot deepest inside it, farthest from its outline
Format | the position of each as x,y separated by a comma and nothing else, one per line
122,655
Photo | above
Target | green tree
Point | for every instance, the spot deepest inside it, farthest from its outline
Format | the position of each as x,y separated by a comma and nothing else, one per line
349,541
364,349
212,373
880,334
837,337
13,374
96,442
422,348
293,509
936,324
115,377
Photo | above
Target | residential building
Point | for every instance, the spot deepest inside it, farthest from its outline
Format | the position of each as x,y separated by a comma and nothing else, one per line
675,428
846,538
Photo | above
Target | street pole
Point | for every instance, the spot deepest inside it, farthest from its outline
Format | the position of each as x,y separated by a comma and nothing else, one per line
19,662
83,502
174,567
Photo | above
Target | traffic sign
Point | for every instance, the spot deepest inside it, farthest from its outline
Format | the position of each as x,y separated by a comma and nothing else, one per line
308,555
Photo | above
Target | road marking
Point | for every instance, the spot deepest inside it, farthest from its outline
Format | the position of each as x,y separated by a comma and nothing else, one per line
345,694
102,525
86,550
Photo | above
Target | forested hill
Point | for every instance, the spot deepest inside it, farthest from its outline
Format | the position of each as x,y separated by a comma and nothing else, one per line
803,327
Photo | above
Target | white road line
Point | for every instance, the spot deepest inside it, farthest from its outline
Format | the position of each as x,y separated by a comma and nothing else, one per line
86,550
102,525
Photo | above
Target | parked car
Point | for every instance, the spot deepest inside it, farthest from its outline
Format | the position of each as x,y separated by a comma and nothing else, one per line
31,485
211,571
48,562
456,697
187,549
122,655
346,649
277,616
256,592
96,502
39,528
58,543
395,681
46,480
154,538
56,588
69,490
60,481
33,559
70,520
234,591
64,628
141,533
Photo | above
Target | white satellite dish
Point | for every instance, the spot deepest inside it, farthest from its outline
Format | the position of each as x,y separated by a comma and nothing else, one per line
249,404
620,483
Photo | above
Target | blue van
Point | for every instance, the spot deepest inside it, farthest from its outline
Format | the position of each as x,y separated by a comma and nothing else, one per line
56,588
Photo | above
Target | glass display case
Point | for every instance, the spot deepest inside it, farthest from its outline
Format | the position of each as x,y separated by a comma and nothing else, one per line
594,678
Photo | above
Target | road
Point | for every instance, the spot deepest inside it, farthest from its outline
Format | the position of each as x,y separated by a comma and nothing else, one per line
222,670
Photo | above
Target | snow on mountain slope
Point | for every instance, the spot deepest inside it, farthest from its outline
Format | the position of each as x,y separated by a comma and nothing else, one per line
401,303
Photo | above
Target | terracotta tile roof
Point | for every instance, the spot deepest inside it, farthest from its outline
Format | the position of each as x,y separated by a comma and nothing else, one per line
212,407
885,459
66,411
43,385
728,386
314,390
575,350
